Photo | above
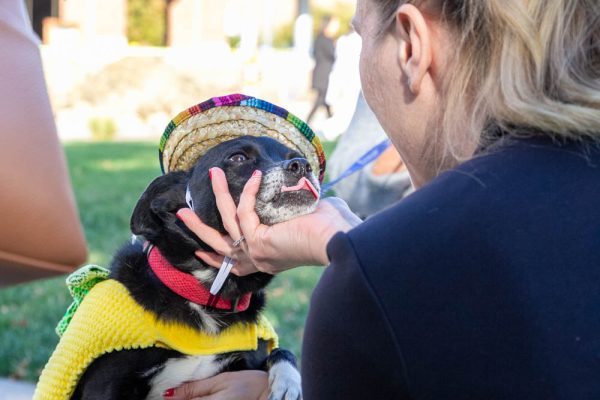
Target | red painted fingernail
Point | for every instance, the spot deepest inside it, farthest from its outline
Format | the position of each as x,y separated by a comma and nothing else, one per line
210,174
169,393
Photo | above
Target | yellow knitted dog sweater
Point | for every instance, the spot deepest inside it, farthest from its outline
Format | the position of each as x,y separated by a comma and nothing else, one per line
109,319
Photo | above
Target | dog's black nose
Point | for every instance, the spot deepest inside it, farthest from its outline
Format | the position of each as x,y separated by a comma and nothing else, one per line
297,166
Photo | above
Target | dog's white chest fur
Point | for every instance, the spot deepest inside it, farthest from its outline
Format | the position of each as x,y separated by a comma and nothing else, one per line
180,370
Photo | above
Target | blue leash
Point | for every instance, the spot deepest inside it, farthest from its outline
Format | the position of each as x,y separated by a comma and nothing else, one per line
359,164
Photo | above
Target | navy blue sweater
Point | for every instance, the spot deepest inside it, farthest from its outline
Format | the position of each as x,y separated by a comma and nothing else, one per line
484,284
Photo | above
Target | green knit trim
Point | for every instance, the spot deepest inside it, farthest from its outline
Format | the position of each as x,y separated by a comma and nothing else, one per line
80,283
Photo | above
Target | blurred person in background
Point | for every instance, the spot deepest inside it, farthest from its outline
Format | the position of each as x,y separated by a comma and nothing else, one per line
380,183
343,88
324,55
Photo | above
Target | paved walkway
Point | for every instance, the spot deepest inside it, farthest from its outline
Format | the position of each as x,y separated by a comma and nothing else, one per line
15,390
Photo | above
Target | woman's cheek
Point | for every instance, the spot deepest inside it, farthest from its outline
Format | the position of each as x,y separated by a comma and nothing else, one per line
375,91
368,80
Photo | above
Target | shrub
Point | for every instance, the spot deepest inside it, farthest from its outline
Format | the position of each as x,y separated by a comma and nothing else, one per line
146,22
284,35
103,129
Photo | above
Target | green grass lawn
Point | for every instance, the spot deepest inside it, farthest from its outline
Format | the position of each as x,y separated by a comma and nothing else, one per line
108,178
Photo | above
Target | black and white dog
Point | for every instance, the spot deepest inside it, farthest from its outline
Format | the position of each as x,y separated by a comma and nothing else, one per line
288,189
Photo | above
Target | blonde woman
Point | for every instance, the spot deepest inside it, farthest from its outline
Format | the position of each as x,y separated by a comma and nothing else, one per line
484,283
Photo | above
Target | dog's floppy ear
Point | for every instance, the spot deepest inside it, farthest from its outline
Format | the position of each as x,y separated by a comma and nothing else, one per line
158,204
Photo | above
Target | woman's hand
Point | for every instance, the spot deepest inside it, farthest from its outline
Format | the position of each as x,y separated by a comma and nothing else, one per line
240,385
299,241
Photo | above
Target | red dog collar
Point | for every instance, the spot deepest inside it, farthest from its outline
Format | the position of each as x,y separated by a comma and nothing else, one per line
188,287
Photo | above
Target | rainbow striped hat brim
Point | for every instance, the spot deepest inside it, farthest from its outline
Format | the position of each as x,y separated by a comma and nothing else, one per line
199,128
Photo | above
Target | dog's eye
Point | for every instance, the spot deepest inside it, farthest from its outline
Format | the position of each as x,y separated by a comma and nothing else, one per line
238,157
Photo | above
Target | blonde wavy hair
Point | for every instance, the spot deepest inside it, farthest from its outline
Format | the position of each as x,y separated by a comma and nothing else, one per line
532,64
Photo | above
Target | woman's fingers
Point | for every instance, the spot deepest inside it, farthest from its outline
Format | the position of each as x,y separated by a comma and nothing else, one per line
222,244
240,385
241,267
211,258
192,390
248,219
225,202
219,242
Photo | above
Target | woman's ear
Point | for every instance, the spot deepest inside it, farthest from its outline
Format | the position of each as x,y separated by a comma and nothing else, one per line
414,52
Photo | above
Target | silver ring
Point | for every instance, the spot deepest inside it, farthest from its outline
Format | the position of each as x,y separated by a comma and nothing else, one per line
237,242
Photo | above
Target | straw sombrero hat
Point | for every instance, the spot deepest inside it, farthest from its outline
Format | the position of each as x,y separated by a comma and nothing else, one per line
194,131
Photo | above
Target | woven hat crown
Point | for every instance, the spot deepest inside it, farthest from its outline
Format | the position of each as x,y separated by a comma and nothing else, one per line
199,128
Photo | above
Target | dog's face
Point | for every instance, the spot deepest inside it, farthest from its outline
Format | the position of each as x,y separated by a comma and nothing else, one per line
288,189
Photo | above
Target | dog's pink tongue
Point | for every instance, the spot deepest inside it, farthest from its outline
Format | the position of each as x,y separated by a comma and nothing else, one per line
303,184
